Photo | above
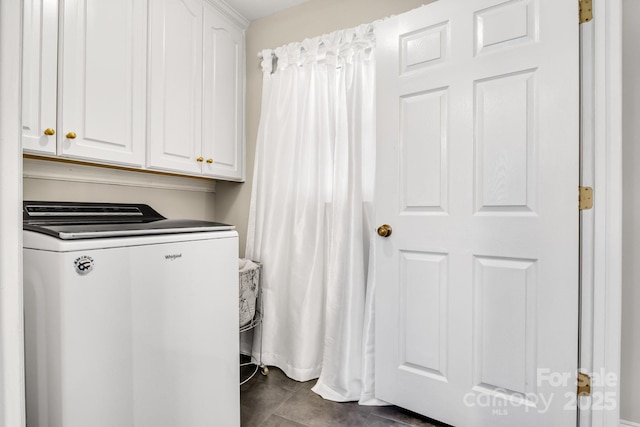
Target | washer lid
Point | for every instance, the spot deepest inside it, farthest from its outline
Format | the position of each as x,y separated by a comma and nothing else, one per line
70,220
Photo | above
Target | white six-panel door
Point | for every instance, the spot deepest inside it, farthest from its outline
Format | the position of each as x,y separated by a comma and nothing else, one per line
102,93
477,174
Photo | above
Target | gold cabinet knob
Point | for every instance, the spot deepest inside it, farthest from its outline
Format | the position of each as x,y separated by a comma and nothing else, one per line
71,135
209,161
200,159
49,131
384,230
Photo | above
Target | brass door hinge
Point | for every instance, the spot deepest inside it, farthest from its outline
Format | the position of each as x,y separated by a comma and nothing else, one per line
586,10
585,198
584,384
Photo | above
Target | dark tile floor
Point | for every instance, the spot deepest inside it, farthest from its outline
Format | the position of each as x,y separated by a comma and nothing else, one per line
276,400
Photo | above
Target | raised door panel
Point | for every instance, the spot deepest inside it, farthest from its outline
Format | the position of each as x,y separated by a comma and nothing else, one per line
424,152
423,325
103,81
504,318
223,142
175,86
39,75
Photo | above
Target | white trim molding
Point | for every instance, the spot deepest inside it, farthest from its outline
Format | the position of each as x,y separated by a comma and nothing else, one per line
230,13
624,423
607,264
12,401
73,172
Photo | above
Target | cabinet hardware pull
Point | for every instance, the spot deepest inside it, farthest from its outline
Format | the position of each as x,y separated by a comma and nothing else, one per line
49,131
71,135
209,161
200,159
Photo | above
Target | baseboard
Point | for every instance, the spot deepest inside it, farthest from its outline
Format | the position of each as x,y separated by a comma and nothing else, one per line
624,423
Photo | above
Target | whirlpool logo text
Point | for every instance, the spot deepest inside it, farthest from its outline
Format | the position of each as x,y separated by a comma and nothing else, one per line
173,257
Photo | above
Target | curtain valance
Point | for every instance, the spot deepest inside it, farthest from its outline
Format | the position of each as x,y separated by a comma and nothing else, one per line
334,48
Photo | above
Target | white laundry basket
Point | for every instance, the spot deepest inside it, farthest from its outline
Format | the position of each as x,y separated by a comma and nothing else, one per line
249,289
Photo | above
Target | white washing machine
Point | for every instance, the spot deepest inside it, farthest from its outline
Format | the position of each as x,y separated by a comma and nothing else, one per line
131,319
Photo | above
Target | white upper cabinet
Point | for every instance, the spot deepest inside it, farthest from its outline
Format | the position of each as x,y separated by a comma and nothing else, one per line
86,100
103,80
144,84
196,90
223,110
39,76
175,85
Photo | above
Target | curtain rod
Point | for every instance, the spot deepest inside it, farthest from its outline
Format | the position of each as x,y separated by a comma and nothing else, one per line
321,44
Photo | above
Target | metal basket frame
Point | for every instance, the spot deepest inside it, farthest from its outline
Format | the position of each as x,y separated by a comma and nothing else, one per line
256,321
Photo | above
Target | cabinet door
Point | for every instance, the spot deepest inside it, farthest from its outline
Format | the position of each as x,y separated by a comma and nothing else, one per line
39,75
103,80
175,85
223,141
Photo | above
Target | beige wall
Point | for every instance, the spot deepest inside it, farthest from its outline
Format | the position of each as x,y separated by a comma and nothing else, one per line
310,19
168,202
630,370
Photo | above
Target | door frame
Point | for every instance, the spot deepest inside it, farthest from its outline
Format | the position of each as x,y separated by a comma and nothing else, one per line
602,227
12,400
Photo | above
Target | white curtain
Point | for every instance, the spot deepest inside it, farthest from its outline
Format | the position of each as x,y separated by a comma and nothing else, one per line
311,210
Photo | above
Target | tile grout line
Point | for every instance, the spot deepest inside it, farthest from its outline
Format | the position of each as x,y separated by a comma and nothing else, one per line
276,407
279,406
382,417
285,418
